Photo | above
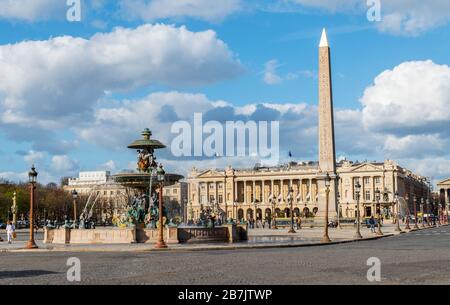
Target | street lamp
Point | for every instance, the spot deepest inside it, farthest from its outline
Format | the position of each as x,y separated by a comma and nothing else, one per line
326,237
32,176
339,210
430,223
408,213
422,207
397,228
378,197
415,213
160,177
75,216
358,221
291,202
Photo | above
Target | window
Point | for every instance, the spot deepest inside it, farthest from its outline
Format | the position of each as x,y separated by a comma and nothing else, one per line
220,186
167,192
202,186
220,199
377,180
367,196
175,191
211,186
366,180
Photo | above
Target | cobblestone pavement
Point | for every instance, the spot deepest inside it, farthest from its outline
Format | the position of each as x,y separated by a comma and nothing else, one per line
418,257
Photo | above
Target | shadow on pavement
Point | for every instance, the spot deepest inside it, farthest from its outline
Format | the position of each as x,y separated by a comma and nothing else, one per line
24,273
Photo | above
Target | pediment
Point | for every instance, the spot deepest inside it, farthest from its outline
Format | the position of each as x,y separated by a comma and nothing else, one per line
366,167
210,173
444,182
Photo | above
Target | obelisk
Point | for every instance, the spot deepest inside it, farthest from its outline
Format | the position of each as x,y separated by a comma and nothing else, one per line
327,152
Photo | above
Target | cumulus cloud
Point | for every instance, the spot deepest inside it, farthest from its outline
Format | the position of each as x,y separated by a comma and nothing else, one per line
33,156
400,17
64,164
31,10
270,73
150,10
53,83
412,98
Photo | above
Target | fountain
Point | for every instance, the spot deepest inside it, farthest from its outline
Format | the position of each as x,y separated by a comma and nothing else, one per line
142,209
139,221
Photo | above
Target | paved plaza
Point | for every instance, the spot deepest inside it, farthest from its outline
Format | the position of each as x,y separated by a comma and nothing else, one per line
258,238
413,258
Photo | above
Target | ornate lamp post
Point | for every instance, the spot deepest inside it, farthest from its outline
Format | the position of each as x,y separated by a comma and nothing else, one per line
397,228
358,221
438,211
422,208
326,237
291,202
75,216
377,198
429,222
446,212
408,214
339,211
32,175
160,244
416,226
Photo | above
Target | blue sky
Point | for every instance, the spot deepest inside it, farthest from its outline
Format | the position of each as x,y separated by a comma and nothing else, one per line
65,111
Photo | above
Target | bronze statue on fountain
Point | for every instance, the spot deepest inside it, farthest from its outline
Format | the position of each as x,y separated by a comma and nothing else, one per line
143,209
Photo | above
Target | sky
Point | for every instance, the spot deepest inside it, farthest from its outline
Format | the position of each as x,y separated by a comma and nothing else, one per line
74,94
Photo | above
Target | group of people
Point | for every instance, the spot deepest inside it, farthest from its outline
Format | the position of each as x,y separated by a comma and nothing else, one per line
10,232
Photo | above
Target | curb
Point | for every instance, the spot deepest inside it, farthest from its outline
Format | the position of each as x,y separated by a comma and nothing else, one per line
199,249
213,248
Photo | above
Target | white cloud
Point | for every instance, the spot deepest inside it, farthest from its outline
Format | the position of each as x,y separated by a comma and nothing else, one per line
33,156
64,165
150,10
77,72
270,73
400,17
31,10
411,98
109,166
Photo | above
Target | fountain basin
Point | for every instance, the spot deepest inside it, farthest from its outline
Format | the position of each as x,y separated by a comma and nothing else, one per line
172,235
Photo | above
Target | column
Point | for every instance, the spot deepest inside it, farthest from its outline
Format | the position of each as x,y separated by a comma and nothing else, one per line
245,192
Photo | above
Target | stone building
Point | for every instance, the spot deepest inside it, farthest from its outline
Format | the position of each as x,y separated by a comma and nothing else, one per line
443,188
176,198
111,198
257,193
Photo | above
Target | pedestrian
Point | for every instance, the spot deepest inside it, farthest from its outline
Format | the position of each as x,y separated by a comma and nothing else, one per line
10,231
372,224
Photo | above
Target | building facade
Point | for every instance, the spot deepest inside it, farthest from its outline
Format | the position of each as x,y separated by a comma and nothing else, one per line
176,198
112,198
258,193
444,191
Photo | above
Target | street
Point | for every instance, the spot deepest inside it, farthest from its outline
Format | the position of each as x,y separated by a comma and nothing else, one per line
417,258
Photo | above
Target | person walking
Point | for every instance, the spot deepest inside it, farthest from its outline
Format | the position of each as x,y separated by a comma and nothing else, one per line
10,231
372,224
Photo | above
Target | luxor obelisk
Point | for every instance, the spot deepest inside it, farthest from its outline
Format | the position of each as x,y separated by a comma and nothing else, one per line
327,152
